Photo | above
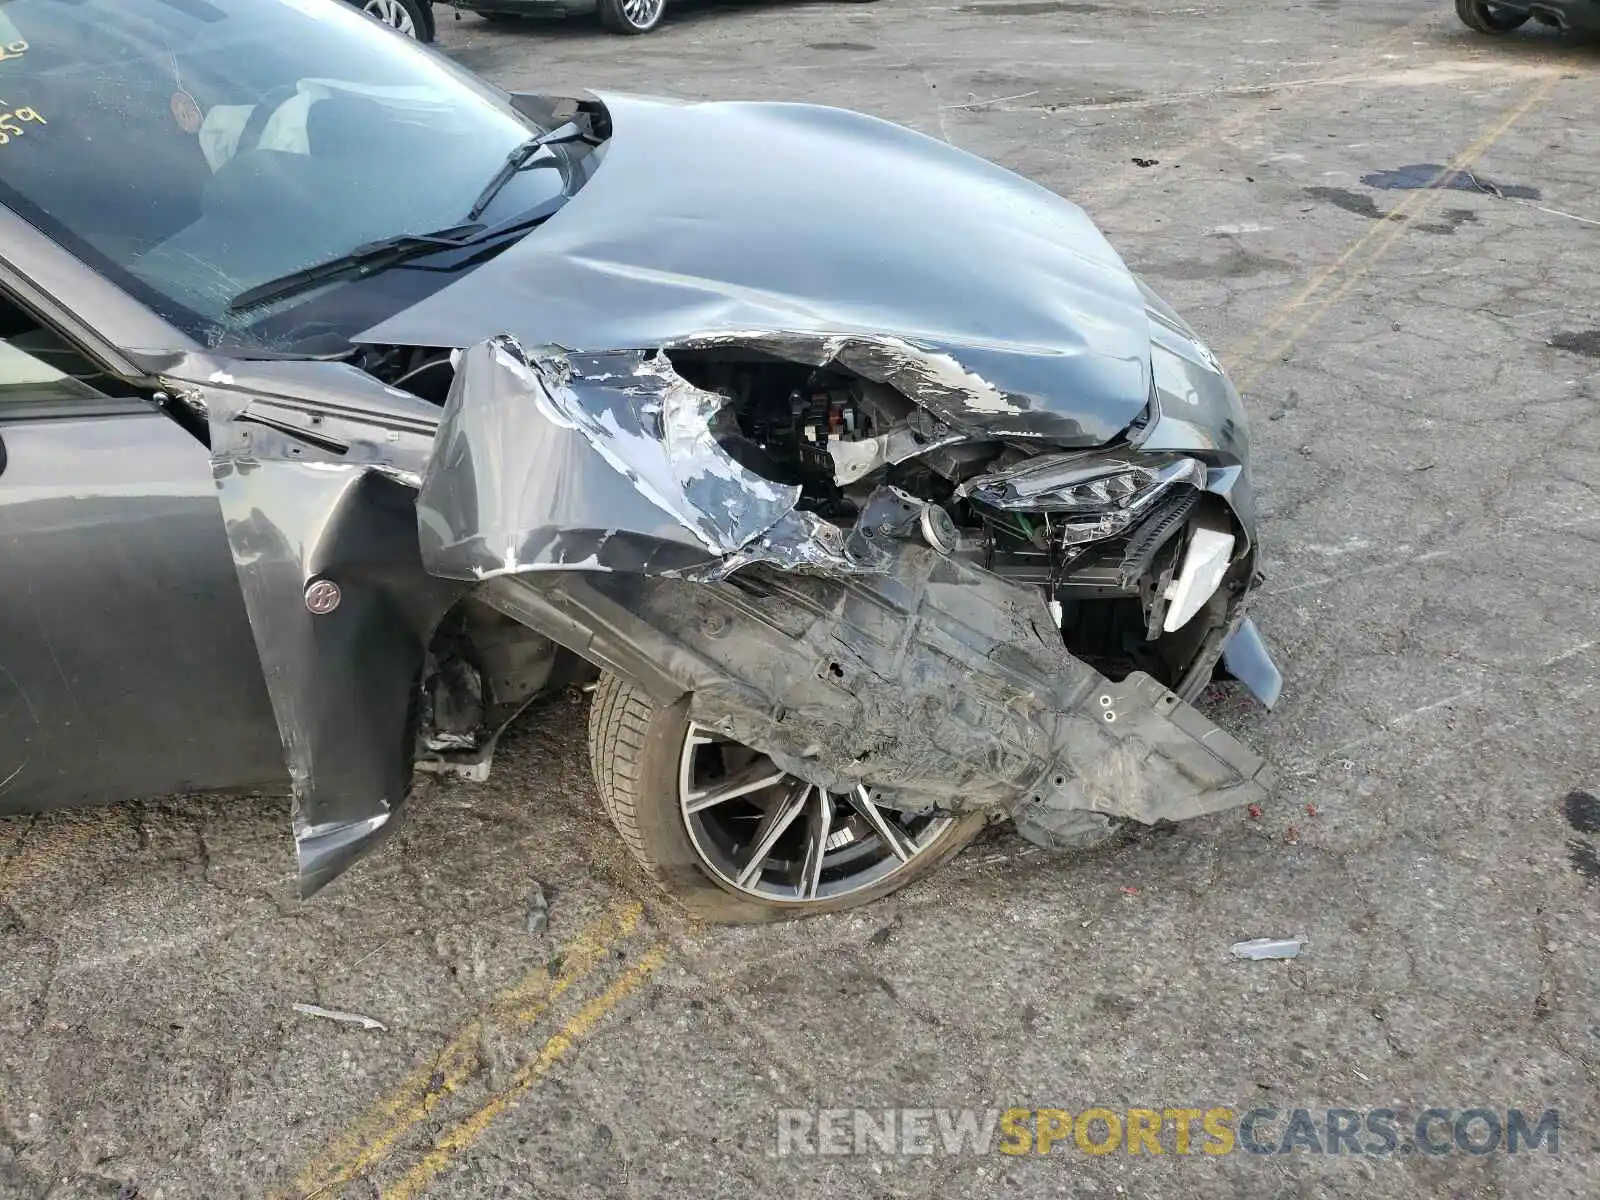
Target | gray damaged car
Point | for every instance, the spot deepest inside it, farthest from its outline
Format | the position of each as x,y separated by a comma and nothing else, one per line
356,404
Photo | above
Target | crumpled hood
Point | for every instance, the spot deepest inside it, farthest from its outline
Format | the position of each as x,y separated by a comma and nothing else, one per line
834,236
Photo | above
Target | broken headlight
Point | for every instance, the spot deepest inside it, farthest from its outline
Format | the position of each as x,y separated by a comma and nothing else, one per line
1095,497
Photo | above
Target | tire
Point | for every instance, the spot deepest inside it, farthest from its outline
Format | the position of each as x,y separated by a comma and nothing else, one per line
636,750
615,15
414,18
1485,17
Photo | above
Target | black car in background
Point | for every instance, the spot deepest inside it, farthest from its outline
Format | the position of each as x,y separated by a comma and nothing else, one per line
619,16
1502,16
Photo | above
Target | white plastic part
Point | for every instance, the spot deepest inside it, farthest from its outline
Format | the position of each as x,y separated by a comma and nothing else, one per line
1268,947
1203,568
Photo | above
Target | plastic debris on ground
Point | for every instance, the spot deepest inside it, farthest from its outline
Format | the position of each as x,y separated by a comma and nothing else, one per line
334,1014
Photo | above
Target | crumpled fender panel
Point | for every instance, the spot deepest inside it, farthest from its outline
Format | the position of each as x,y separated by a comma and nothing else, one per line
595,462
316,466
601,462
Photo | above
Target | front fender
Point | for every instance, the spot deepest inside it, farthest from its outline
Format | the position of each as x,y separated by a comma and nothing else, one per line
314,468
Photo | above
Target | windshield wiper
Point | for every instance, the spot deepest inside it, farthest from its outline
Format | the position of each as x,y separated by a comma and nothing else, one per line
372,257
520,159
363,260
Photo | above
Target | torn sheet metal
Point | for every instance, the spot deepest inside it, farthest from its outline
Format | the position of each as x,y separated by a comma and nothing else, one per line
934,683
978,293
587,492
587,496
801,541
590,462
961,392
1247,659
316,466
864,658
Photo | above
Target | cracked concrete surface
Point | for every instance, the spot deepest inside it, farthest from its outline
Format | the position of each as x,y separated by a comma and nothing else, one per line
1427,419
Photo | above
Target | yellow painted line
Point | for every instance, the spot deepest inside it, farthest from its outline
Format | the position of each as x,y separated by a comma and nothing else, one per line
466,1132
1396,222
1376,241
372,1136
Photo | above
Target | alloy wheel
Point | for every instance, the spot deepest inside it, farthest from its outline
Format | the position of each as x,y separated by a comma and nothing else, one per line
642,14
393,14
770,834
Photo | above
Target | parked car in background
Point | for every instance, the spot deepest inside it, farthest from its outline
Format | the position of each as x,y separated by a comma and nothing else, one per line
1502,16
414,18
619,16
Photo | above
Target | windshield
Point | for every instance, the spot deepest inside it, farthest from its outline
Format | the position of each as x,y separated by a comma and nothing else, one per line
192,149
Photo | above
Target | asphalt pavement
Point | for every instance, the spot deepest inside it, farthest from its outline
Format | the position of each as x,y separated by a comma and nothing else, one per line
1422,369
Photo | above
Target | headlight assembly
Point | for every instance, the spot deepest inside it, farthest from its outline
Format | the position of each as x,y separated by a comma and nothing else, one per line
1095,497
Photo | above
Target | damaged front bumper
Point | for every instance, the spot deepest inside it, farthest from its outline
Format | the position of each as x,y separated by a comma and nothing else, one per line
874,657
588,498
935,684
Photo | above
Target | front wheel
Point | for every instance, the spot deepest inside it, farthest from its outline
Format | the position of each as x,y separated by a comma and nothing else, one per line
631,16
1486,17
732,837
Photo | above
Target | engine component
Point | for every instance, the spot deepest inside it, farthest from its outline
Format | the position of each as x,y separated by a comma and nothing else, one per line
918,434
892,514
793,420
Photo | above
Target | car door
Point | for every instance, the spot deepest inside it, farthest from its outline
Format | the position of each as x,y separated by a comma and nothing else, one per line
127,666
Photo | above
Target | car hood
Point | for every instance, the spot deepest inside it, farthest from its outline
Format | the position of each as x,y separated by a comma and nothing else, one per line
825,236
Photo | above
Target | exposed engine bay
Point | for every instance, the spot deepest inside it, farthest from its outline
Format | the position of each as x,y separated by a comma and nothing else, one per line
1100,536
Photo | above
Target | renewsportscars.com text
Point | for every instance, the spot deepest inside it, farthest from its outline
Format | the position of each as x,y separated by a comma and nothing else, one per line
1218,1130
